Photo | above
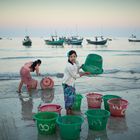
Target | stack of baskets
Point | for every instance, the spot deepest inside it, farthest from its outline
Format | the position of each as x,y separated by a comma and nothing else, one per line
49,115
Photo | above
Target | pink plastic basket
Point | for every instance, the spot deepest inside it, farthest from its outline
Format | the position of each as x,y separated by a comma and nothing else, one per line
50,108
117,106
47,82
94,100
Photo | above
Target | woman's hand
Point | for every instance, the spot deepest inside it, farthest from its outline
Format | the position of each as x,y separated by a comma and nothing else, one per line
84,73
87,73
39,74
81,66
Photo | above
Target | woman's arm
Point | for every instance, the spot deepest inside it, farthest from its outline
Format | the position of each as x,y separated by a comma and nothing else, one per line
79,67
74,74
84,73
37,70
20,86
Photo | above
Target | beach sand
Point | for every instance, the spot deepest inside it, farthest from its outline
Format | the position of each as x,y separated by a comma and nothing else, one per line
16,115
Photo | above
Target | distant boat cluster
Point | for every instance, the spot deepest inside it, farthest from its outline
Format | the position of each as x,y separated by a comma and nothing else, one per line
74,40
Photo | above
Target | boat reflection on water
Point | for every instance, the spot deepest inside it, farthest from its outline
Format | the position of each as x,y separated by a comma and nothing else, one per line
56,46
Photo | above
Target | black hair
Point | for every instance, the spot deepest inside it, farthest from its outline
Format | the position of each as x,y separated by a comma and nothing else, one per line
39,61
70,53
34,65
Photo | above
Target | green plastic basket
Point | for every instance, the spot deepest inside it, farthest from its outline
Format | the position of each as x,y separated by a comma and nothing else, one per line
77,103
97,118
70,127
93,64
106,98
46,122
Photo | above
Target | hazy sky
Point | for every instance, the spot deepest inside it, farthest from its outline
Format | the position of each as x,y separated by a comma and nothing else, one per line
85,17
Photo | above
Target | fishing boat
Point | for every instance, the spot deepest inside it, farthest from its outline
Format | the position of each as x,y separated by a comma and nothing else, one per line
97,41
133,38
27,41
109,39
54,41
75,40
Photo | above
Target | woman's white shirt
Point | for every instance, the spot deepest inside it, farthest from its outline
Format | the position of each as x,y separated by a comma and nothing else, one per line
71,73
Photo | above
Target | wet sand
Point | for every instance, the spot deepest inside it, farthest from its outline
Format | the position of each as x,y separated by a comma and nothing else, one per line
16,112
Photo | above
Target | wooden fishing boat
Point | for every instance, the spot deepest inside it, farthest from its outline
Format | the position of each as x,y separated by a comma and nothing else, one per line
74,41
54,41
100,42
27,41
133,38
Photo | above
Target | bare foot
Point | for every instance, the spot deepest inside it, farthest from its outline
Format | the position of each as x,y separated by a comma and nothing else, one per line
18,91
69,112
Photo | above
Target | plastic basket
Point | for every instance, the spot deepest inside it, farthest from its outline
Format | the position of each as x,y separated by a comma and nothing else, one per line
47,83
77,103
70,127
94,100
50,108
118,106
106,98
93,64
46,122
97,118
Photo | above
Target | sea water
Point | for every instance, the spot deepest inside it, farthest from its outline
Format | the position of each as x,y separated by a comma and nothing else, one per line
120,62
